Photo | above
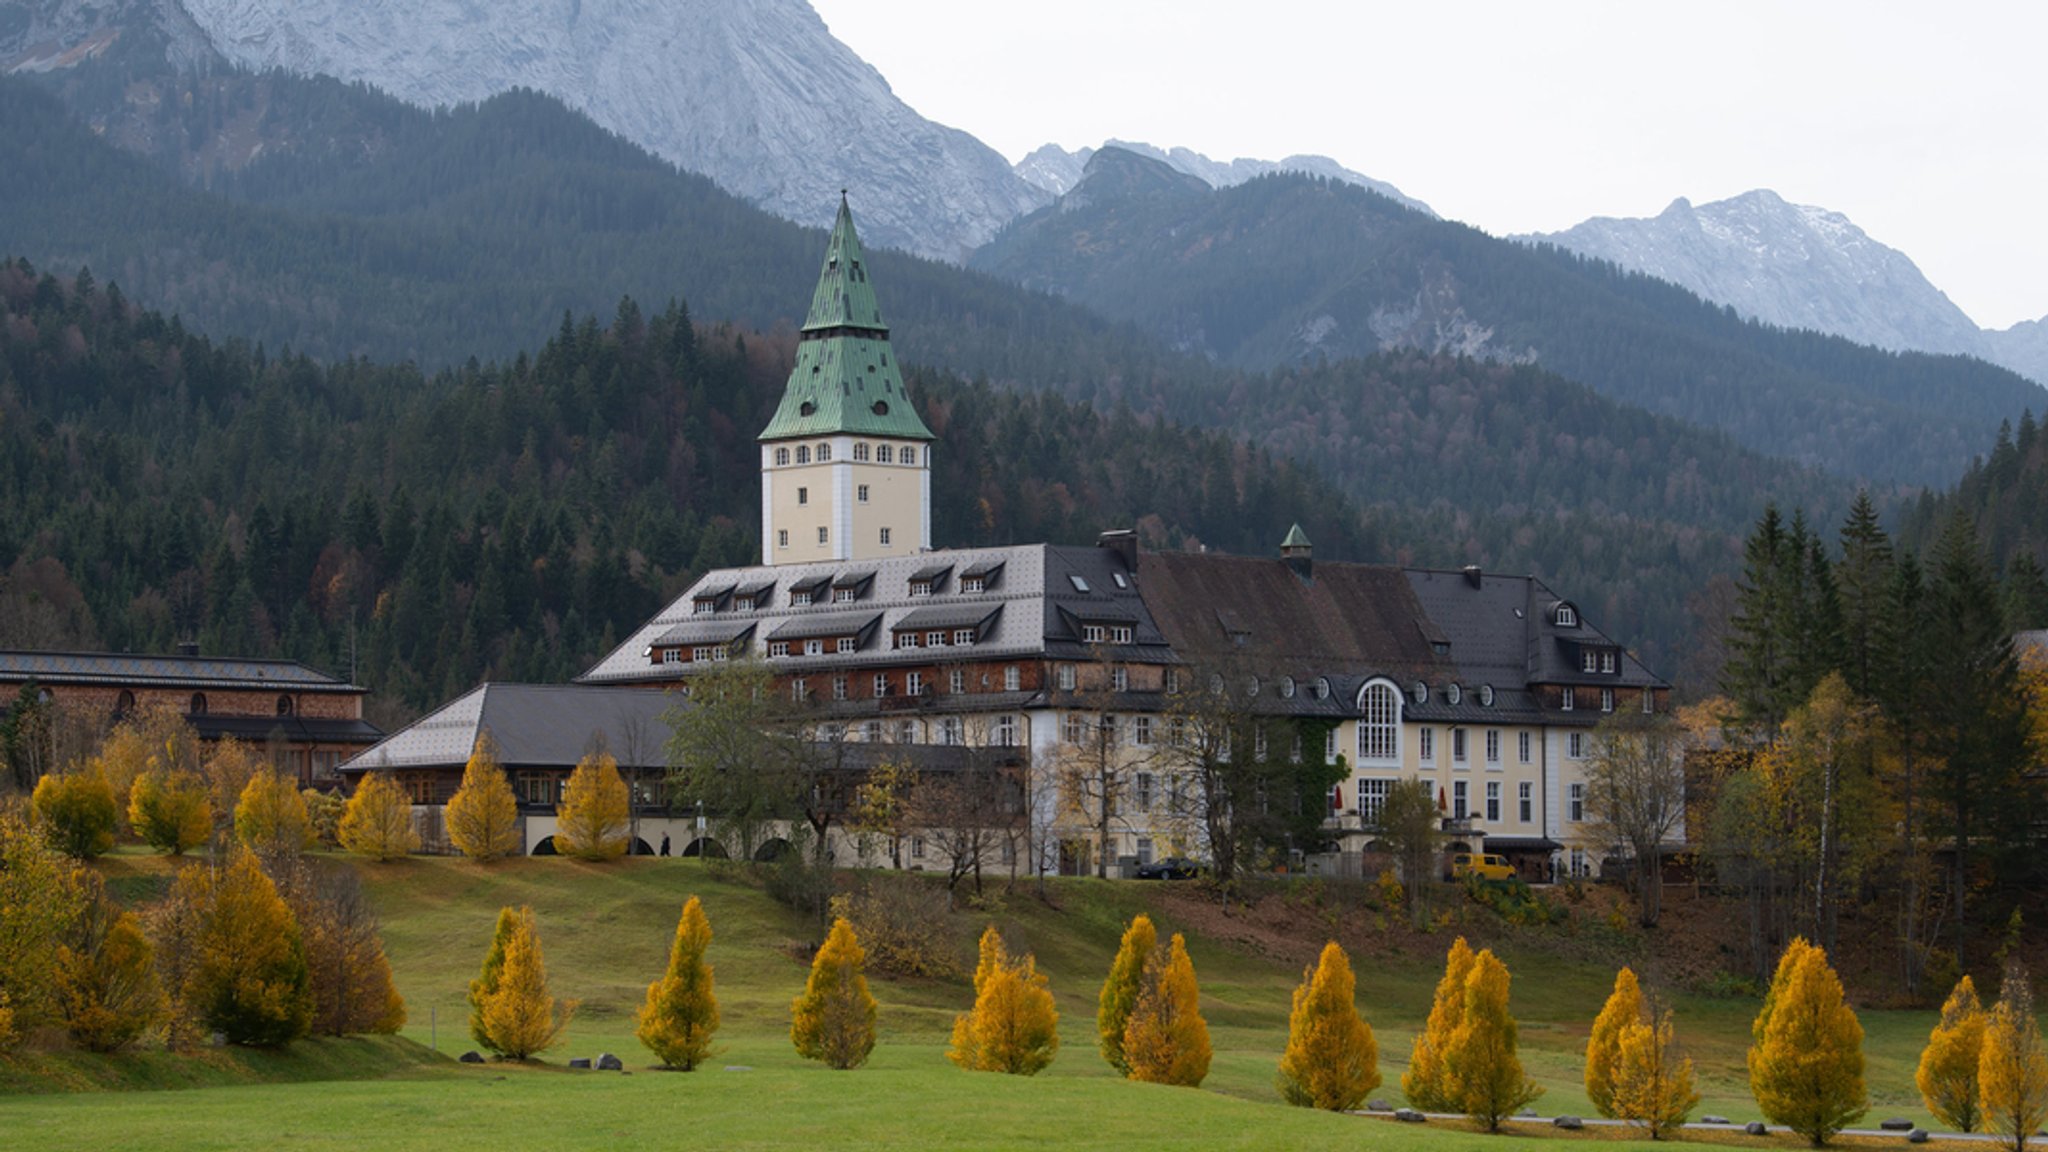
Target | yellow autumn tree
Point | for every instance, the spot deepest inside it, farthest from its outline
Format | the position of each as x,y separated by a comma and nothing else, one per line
155,737
228,768
1167,1041
483,815
378,820
1426,1083
1120,990
2012,1071
171,810
486,983
107,989
595,816
76,811
1653,1086
353,992
1013,1026
1947,1076
834,1020
521,1018
681,1012
1332,1060
271,817
1481,1063
39,899
248,980
1806,1050
1603,1050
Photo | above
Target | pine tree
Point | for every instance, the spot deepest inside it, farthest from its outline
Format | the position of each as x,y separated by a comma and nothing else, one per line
681,1013
593,821
483,815
486,983
1864,579
1120,990
248,980
1332,1060
520,1017
2012,1072
1947,1076
271,817
170,810
1014,1026
107,990
1427,1082
1166,1040
1654,1087
76,810
378,822
1603,1050
1806,1051
834,1020
1480,1061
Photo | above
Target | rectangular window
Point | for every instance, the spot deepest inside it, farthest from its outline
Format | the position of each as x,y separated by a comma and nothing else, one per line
956,681
675,655
782,541
1120,634
1141,791
778,647
973,583
1575,803
1111,735
1607,661
861,493
871,731
1013,679
814,647
1091,633
1493,801
1072,728
839,687
1006,731
1522,745
700,653
1578,861
825,537
1649,701
881,685
906,732
949,731
537,788
841,595
1575,746
803,496
1172,680
1589,661
1066,677
1425,746
848,643
1493,747
1525,800
935,639
1259,742
1372,796
1329,745
913,683
1607,699
1457,746
796,599
1570,699
1458,811
1141,731
799,690
1144,850
885,537
906,640
1119,680
917,847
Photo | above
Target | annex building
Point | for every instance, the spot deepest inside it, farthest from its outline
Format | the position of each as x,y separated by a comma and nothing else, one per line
1092,666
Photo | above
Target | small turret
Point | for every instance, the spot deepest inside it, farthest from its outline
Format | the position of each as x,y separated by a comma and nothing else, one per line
1298,554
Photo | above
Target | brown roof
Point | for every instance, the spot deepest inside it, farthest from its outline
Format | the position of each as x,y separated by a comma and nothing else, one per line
1356,619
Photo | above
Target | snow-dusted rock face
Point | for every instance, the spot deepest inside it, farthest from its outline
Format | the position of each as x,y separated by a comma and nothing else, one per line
1056,170
1785,264
757,95
41,35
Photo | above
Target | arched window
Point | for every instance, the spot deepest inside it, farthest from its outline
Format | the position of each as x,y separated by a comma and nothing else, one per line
1567,616
1379,724
909,456
125,702
782,456
883,454
860,451
284,705
824,453
198,705
803,453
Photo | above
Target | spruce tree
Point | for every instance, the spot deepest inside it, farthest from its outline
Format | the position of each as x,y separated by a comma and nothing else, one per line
1427,1082
1864,579
1603,1049
1166,1039
1947,1075
1806,1051
1120,990
834,1020
483,815
1332,1059
681,1013
1481,1062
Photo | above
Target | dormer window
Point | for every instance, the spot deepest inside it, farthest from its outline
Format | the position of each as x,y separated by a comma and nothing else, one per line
1589,661
963,635
906,640
920,588
1092,633
1567,616
935,639
1607,660
814,647
778,648
973,583
800,599
671,655
1453,694
847,644
843,595
1120,634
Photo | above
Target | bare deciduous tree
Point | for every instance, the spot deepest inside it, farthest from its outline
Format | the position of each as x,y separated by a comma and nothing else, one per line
1635,798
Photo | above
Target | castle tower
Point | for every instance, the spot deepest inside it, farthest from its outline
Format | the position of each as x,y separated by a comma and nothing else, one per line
846,461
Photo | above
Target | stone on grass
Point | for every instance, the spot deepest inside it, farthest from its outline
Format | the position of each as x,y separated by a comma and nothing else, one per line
1713,1119
610,1063
1755,1128
582,1062
1378,1106
1917,1136
1409,1116
1896,1124
1569,1123
471,1057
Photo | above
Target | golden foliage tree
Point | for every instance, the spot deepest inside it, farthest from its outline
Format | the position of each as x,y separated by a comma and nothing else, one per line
486,983
594,819
76,810
681,1013
1427,1083
1603,1049
1332,1060
248,979
1653,1087
271,817
1167,1041
324,810
520,1017
483,815
1481,1061
1806,1050
229,766
156,737
39,900
2012,1071
1013,1026
1120,990
834,1020
378,821
107,990
171,810
1947,1075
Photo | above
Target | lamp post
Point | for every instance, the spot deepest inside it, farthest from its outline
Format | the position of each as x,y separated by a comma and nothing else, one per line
700,832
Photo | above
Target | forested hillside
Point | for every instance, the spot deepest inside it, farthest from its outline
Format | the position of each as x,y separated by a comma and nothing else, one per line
1290,267
2005,494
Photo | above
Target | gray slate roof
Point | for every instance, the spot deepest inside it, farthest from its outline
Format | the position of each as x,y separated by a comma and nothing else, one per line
534,725
113,668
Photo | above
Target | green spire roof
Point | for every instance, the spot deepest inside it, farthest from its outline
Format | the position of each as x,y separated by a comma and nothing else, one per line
846,379
1296,538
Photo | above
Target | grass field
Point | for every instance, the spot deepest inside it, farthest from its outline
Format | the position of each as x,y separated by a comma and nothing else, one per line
606,929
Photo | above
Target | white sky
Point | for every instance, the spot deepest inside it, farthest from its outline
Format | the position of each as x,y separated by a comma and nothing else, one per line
1925,124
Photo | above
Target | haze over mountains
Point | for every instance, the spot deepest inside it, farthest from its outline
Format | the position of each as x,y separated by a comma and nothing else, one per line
1057,169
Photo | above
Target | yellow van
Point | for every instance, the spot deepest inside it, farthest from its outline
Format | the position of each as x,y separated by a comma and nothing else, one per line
1485,866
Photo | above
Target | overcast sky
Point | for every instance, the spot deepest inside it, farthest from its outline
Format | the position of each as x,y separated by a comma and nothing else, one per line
1925,124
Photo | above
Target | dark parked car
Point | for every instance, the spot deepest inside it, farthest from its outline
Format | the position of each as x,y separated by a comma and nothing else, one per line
1171,868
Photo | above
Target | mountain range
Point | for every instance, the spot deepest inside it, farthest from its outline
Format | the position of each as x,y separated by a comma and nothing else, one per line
1057,169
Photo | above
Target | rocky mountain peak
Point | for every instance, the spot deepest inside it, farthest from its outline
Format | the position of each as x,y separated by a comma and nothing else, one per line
1055,169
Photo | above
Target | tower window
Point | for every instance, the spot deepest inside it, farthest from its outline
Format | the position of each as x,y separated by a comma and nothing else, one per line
861,451
824,535
803,454
782,537
782,456
861,493
824,453
803,496
885,537
909,456
884,454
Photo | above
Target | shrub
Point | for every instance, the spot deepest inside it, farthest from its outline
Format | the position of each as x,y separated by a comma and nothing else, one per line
483,815
1167,1041
1427,1083
1947,1075
1806,1055
834,1020
2012,1072
594,819
77,812
170,810
1013,1026
520,1016
324,811
378,821
1483,1067
351,976
1332,1060
248,979
1603,1049
681,1012
271,817
107,988
1120,990
903,923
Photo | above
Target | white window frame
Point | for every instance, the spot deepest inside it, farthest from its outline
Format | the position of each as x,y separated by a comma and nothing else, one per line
1525,801
1493,801
1425,746
1371,794
1575,803
956,681
913,683
1013,678
1460,753
1493,747
1461,806
1522,746
1379,724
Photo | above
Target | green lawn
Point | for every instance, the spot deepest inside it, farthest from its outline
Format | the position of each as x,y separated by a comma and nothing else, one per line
606,929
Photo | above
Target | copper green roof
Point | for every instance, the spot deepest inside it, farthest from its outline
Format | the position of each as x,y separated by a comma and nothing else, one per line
1296,538
845,380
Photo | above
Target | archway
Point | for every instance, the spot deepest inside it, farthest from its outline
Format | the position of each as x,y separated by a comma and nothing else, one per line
773,850
640,847
546,847
705,846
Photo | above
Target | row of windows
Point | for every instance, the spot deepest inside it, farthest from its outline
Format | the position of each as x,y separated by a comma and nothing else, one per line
1002,732
882,454
936,638
825,537
1106,633
914,683
1569,700
1426,746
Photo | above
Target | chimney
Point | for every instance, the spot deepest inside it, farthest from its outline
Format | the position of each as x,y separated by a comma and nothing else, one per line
1473,575
1123,542
188,648
1298,554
